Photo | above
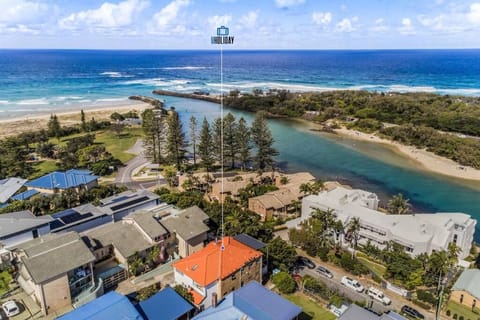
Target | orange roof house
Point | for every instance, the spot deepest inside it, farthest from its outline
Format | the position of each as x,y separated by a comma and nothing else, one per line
212,272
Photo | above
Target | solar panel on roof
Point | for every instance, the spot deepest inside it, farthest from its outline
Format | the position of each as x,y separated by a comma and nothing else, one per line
75,217
63,213
120,199
129,203
55,224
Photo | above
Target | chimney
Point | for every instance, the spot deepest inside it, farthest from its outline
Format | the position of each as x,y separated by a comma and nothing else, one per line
214,300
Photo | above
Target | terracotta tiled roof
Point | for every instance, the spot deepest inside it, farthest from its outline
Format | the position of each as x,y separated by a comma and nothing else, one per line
197,297
203,266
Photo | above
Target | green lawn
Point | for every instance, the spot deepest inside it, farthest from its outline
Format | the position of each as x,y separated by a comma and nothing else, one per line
461,310
311,309
117,145
377,268
5,279
43,168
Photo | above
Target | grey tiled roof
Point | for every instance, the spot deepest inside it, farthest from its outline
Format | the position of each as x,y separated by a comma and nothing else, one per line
469,281
14,222
188,224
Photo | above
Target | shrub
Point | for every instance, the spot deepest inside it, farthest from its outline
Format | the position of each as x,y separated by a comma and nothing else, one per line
323,253
284,282
421,304
426,296
449,313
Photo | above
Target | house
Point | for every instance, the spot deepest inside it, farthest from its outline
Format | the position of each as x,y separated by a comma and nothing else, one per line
466,290
80,219
275,204
189,228
417,233
252,301
124,203
18,227
218,269
58,181
8,187
355,312
166,305
55,270
109,306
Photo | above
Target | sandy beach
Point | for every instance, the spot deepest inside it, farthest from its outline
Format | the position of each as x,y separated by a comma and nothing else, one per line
13,126
427,160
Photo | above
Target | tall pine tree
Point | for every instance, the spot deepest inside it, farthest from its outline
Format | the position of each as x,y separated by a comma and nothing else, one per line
263,142
217,139
153,124
206,149
175,140
193,138
243,143
230,145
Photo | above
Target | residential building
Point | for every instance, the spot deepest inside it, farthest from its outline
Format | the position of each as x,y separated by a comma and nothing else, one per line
124,203
466,290
55,270
19,227
8,187
166,305
417,233
275,204
253,302
355,312
190,229
80,218
219,268
57,181
109,306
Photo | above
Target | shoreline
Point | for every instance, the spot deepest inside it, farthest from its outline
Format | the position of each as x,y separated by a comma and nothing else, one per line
428,161
26,123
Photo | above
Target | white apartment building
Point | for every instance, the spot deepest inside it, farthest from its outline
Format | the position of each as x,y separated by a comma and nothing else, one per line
418,233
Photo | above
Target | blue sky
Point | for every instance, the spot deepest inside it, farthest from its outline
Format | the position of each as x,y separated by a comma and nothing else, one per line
259,24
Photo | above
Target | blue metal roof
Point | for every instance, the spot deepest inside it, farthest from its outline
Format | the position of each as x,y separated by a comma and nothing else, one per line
254,301
63,180
107,307
165,305
25,195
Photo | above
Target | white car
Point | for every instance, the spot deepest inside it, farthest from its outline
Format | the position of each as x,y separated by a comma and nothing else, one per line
378,295
352,284
10,308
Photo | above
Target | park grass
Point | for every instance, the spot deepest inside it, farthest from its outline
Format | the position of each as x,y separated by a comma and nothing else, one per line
311,309
118,145
460,310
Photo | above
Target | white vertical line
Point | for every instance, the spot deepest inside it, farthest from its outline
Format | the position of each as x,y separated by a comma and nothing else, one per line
221,133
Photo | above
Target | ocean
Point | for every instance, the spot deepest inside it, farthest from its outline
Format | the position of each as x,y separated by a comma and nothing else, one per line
39,81
33,81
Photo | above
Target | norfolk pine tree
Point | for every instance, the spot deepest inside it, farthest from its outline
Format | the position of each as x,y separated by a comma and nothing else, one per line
175,140
205,146
263,142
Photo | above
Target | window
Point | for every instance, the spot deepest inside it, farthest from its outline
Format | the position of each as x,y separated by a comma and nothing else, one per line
234,277
474,303
461,298
455,238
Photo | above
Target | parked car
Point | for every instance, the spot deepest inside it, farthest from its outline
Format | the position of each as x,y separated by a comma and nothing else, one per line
378,295
324,272
10,308
409,311
352,284
305,262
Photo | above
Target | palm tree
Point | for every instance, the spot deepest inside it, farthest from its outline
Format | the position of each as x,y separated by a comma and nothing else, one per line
306,188
353,230
399,205
452,253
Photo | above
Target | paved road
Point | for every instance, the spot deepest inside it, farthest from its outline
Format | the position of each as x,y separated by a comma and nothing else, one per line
124,175
334,283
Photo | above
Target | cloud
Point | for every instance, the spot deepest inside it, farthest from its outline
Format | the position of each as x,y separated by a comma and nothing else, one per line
19,28
165,20
345,25
407,28
288,3
249,20
22,11
380,26
217,21
474,13
108,15
322,18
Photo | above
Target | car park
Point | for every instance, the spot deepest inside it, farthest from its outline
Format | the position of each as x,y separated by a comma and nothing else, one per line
409,311
304,261
352,284
324,272
378,295
10,308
